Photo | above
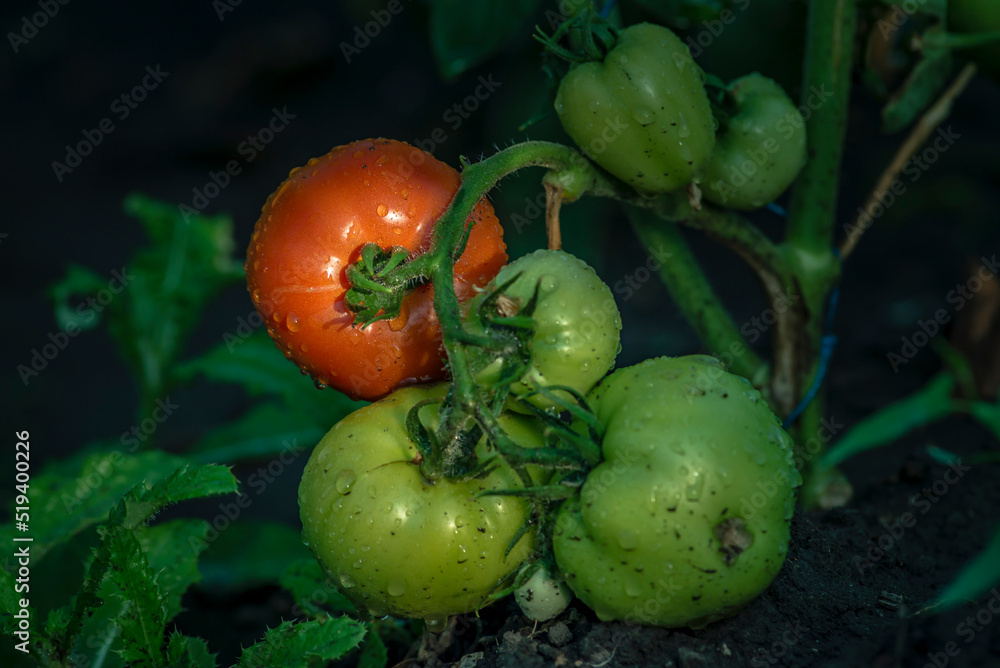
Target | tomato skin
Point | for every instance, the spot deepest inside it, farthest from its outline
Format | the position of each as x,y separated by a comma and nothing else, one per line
642,114
688,448
312,228
396,544
762,149
578,325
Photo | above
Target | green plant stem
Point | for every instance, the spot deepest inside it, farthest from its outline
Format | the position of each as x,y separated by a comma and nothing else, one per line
825,94
808,244
692,292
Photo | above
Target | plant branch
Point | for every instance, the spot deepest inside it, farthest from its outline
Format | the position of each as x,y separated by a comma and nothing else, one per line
931,119
690,289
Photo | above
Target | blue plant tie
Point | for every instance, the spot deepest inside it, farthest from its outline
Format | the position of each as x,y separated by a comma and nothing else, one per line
608,6
778,209
826,346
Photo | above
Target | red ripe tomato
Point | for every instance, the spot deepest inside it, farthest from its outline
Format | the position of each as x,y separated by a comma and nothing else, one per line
313,227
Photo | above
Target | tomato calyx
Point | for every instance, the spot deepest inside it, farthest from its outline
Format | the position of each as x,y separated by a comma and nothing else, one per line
589,38
380,280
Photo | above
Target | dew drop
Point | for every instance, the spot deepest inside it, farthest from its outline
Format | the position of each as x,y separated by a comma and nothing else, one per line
632,590
382,210
436,624
292,322
255,296
643,116
397,587
405,193
344,481
320,385
628,539
346,581
695,486
459,521
358,564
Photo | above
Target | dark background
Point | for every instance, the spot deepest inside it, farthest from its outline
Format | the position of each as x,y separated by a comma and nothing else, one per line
227,74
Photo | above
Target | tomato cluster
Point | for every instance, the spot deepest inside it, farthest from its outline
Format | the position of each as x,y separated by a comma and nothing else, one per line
539,468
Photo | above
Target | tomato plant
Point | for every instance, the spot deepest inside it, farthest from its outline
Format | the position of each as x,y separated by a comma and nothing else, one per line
642,113
677,501
576,322
760,148
313,227
396,543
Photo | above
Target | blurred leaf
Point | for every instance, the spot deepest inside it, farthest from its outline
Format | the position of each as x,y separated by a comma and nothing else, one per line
186,652
982,573
463,34
250,553
172,549
144,618
923,85
932,402
153,303
185,483
312,590
256,364
373,651
78,281
988,414
305,644
263,432
78,492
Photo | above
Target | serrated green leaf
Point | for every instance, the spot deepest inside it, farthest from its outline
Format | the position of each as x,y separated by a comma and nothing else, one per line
156,299
312,589
187,652
185,483
305,644
73,494
172,549
463,34
978,576
144,618
78,314
250,553
265,431
927,405
256,364
373,652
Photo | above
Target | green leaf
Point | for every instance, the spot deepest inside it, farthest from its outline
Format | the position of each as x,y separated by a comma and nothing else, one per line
186,652
172,549
186,483
153,303
249,553
988,414
930,403
982,573
144,619
923,85
265,431
78,281
305,644
464,34
255,363
312,589
373,652
73,494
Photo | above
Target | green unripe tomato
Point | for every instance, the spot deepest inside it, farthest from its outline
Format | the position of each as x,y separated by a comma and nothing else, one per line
687,518
395,544
761,149
643,113
578,326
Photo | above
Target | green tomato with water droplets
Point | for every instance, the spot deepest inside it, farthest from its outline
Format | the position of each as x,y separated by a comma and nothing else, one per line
642,113
394,543
686,519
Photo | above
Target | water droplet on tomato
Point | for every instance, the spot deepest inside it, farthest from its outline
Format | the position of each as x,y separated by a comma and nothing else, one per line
405,193
292,322
644,116
346,581
397,587
255,296
628,539
632,590
382,210
459,521
436,624
320,385
694,486
344,481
